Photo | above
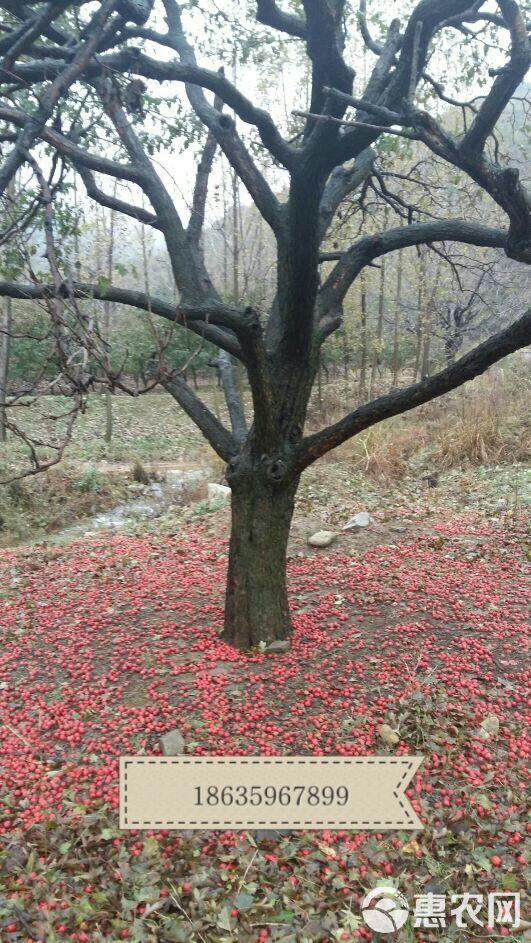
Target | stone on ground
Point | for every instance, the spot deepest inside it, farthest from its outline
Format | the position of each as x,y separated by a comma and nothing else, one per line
388,734
218,493
363,519
323,538
172,743
279,646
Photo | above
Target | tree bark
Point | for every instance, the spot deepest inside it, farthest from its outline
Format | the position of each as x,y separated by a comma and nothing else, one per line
256,601
377,351
228,378
396,323
363,355
5,343
426,345
107,324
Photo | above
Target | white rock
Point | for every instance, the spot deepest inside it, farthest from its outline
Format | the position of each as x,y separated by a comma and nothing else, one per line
281,645
154,491
491,724
218,493
323,538
388,734
172,743
363,519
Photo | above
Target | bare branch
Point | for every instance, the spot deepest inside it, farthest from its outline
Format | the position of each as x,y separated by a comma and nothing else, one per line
325,45
18,41
506,82
221,440
113,202
216,322
269,14
371,44
36,122
223,127
342,182
204,169
513,338
368,248
188,269
502,184
356,124
70,149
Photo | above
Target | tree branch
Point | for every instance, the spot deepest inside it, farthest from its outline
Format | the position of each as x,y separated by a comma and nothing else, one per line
269,14
18,41
341,183
36,122
232,396
221,440
223,127
216,323
371,247
325,44
501,183
70,149
354,142
513,338
506,82
112,202
204,169
425,20
192,74
22,12
189,271
371,44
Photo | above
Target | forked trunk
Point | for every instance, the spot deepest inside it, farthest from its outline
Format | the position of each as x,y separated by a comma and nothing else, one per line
256,601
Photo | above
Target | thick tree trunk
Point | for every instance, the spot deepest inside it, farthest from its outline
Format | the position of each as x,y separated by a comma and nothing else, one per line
377,351
107,323
363,360
256,602
426,345
396,326
5,341
420,316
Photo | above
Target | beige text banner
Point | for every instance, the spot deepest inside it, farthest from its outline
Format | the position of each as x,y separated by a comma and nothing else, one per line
296,792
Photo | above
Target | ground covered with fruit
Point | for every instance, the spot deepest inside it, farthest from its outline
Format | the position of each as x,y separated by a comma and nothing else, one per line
110,642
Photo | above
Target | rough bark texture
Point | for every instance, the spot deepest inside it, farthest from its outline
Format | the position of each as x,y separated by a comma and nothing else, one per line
5,336
256,601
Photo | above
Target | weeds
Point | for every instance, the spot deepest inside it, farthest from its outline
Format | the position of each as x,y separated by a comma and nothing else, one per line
89,481
483,423
139,473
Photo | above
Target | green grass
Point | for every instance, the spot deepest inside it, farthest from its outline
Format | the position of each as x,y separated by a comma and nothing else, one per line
478,434
147,428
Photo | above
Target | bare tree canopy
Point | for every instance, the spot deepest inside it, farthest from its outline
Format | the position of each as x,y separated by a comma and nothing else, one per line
65,67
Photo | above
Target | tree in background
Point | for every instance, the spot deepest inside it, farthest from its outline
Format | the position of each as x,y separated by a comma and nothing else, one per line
68,70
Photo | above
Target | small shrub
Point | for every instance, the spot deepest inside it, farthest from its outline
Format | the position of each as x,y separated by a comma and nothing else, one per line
139,473
88,482
383,453
19,495
491,429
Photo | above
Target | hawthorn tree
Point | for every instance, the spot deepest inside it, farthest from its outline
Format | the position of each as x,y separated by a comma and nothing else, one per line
63,62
